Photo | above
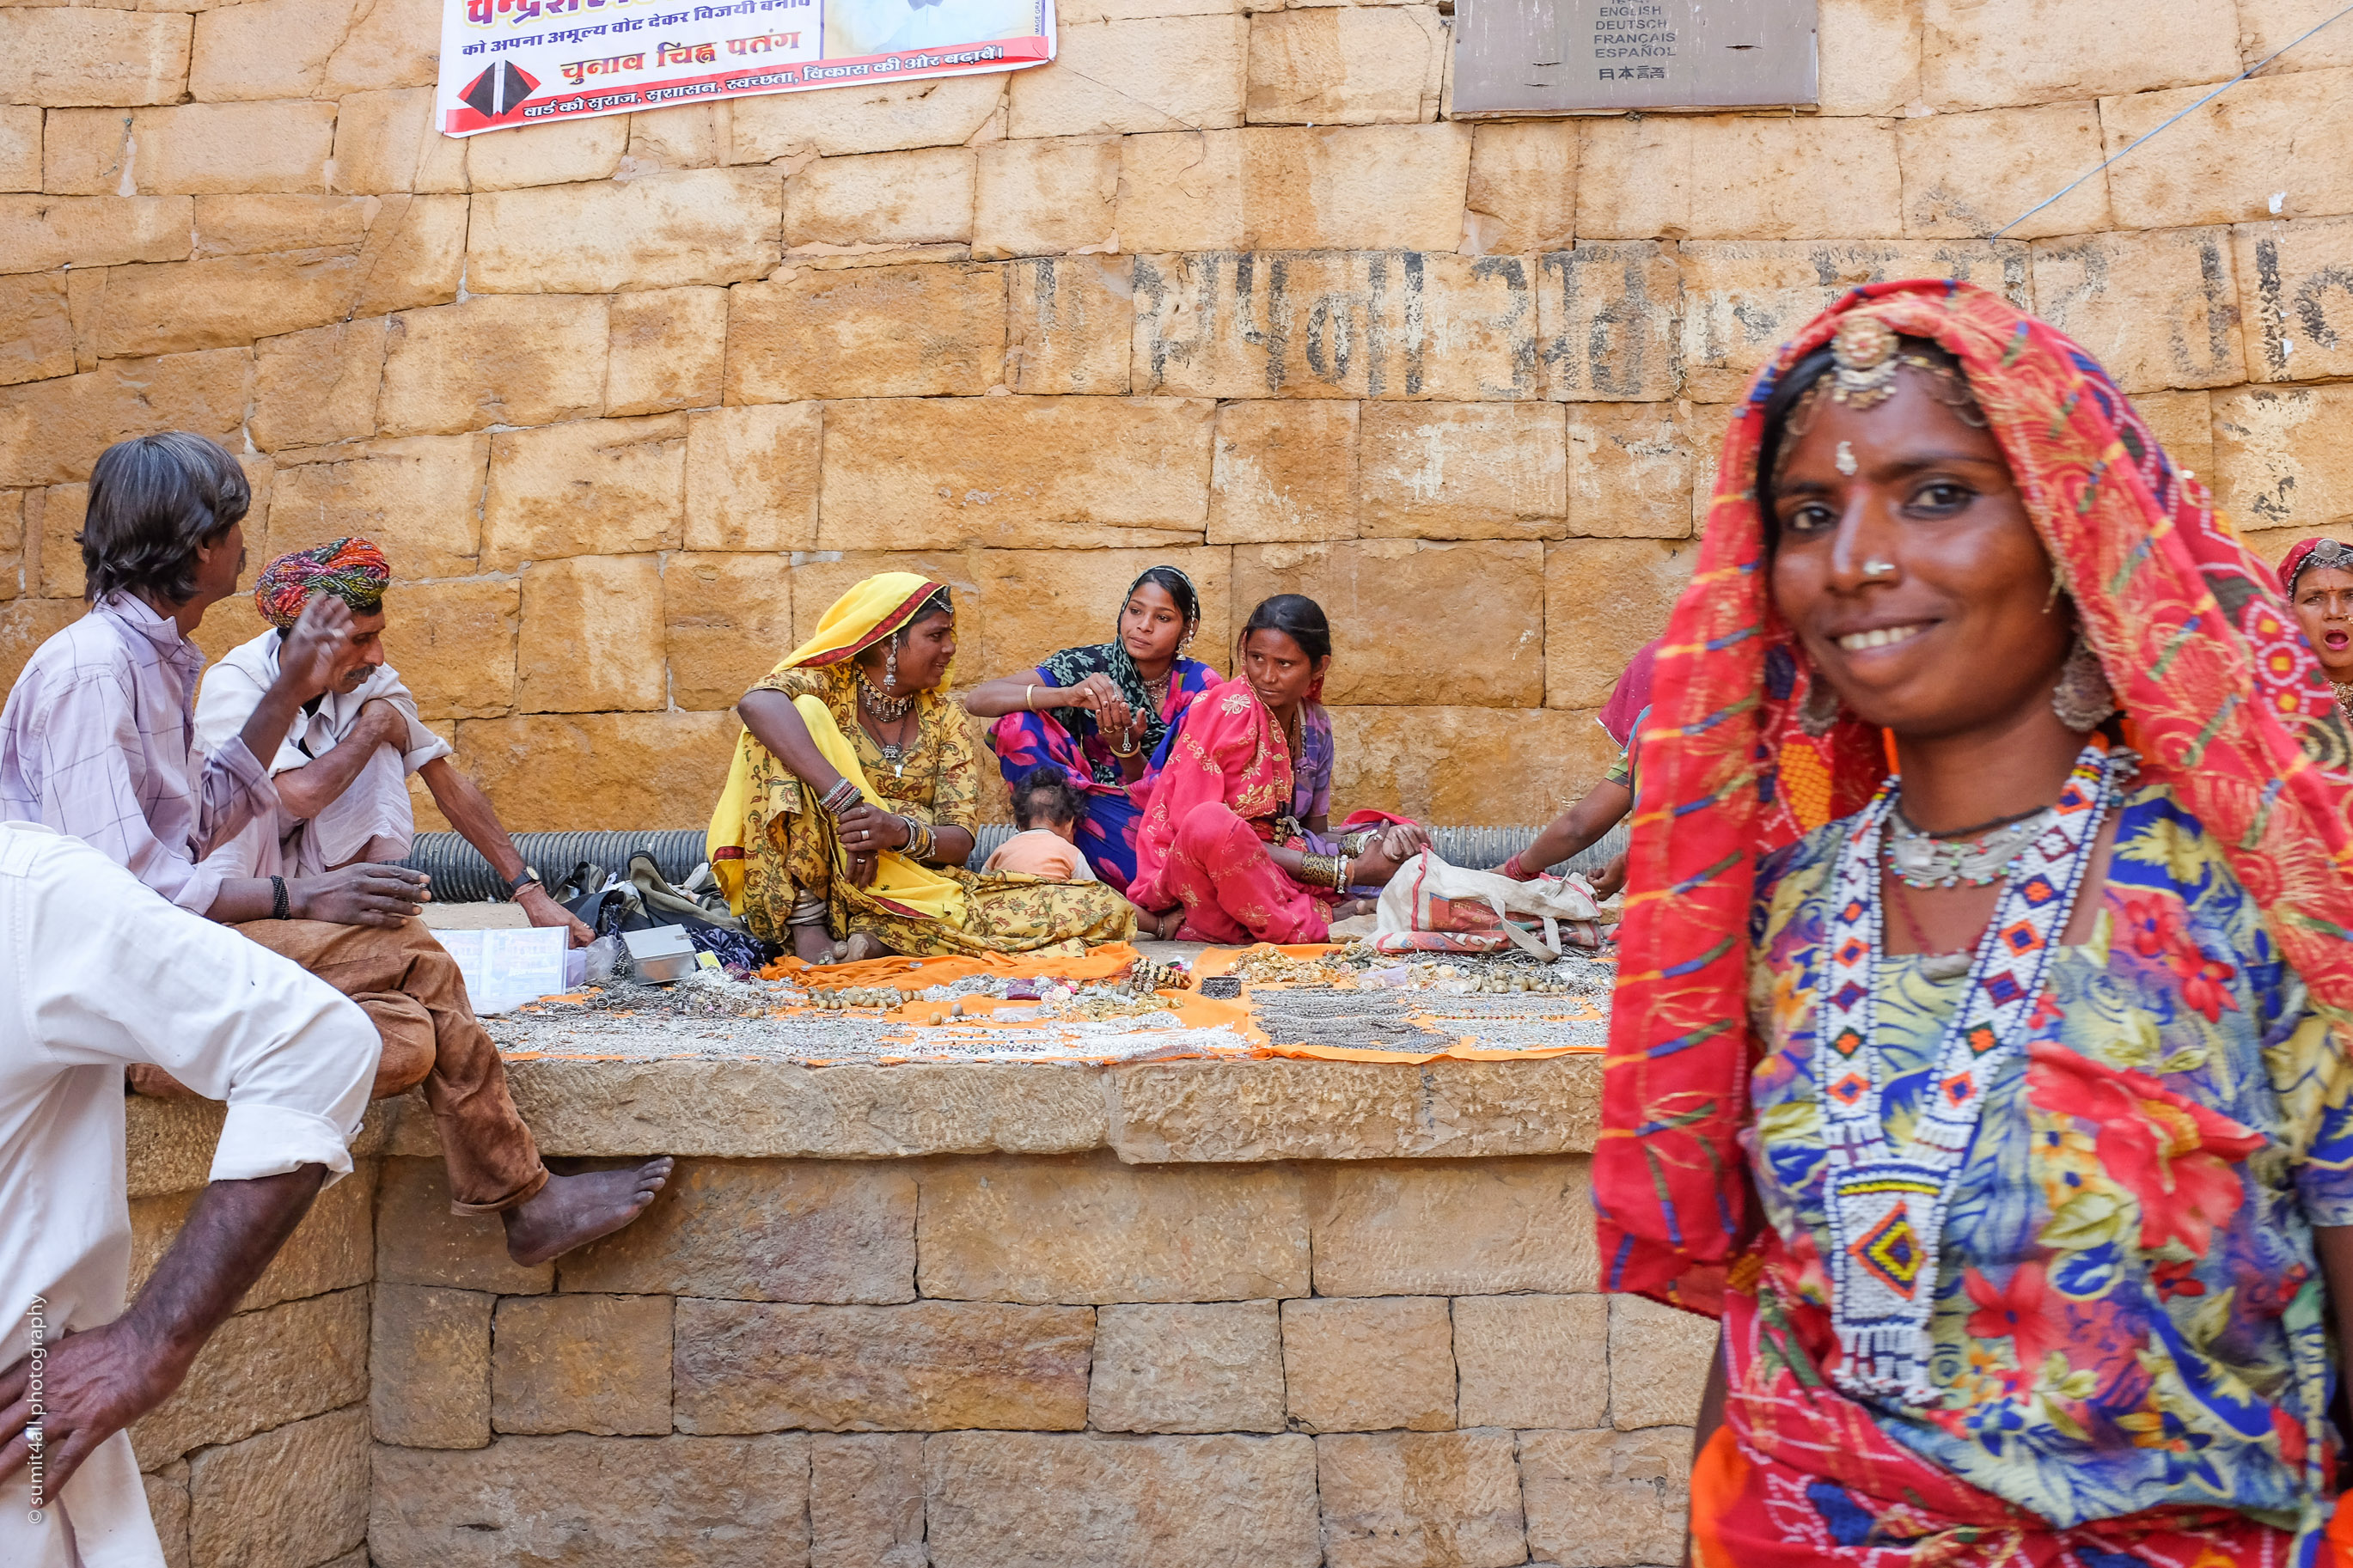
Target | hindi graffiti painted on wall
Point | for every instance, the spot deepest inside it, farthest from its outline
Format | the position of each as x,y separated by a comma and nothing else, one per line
506,63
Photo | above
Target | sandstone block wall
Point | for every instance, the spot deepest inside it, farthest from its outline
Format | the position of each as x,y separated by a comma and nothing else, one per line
1067,1361
948,1359
630,400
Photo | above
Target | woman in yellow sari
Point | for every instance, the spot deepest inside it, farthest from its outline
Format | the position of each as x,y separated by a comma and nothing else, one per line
850,810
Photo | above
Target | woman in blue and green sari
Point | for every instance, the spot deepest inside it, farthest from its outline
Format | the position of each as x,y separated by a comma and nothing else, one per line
1100,712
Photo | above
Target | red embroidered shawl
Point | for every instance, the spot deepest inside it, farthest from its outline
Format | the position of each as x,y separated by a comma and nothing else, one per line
1227,750
2228,705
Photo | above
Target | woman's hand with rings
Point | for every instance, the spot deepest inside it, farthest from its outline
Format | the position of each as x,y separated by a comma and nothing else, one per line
869,830
1096,694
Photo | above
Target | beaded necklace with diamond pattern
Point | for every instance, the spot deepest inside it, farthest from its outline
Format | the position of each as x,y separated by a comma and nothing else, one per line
1886,1205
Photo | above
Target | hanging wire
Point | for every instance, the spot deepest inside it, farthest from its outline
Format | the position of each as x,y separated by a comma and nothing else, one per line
2175,120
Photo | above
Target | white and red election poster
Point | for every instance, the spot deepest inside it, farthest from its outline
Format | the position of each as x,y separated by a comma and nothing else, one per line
530,62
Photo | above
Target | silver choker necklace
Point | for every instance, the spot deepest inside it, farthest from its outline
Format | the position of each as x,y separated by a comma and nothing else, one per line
887,708
1920,859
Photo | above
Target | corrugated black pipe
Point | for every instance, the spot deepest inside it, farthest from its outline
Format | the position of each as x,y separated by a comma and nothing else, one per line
460,876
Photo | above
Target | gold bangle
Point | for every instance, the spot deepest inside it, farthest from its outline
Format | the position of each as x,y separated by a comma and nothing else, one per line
1030,698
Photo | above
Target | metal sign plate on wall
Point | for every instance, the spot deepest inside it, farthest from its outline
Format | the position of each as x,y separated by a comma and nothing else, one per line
1570,57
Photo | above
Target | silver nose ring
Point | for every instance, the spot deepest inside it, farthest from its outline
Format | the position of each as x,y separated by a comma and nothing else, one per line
1877,568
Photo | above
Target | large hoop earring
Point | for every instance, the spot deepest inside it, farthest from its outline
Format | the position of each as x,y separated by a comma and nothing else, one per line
2084,700
1818,710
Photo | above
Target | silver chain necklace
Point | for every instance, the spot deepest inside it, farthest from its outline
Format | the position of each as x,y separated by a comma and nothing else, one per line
889,710
1920,859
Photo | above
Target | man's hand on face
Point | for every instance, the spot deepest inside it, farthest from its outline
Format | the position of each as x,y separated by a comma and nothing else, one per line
317,649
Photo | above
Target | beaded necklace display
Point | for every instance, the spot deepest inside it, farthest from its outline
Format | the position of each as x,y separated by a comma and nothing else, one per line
1886,1205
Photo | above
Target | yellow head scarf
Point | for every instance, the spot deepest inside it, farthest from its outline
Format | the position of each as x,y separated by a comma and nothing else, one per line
863,616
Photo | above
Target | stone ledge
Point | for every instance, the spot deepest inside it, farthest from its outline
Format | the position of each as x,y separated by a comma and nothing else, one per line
1147,1113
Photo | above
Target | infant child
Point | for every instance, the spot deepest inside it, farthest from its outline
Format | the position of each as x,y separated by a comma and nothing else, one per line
1048,806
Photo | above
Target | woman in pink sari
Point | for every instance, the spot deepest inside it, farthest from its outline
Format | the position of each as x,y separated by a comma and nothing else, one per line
1233,846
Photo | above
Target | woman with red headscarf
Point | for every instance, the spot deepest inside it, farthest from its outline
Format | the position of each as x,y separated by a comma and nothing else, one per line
2316,576
1997,1105
1234,846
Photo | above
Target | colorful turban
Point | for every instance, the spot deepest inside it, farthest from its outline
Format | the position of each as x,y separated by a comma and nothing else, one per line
2307,552
353,570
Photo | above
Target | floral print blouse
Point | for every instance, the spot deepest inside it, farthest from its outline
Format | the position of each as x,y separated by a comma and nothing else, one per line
937,783
2129,1312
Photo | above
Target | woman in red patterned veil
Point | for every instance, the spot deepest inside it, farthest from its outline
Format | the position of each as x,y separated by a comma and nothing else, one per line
1999,1106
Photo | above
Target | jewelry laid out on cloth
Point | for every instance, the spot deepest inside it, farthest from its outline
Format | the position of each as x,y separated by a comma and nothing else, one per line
1886,1205
1976,858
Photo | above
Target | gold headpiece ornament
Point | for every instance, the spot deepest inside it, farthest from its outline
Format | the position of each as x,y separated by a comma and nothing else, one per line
1864,354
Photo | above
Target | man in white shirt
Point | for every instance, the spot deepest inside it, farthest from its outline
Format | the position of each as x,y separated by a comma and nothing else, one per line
342,772
100,975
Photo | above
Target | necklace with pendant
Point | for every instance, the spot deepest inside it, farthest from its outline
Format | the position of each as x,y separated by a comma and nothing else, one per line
894,752
1934,966
1924,860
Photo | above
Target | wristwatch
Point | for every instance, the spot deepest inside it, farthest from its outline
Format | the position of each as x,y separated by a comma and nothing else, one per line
529,878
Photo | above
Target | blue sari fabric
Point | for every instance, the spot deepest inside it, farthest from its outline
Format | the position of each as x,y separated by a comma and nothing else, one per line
1024,741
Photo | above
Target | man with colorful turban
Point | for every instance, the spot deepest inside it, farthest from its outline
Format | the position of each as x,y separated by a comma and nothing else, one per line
98,740
342,773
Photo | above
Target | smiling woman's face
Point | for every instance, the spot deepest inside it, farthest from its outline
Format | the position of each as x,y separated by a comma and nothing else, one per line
1951,630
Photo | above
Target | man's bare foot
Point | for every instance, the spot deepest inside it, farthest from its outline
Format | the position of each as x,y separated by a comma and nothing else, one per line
572,1211
1347,909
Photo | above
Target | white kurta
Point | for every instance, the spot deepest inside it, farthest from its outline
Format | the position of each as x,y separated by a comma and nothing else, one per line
97,972
374,805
